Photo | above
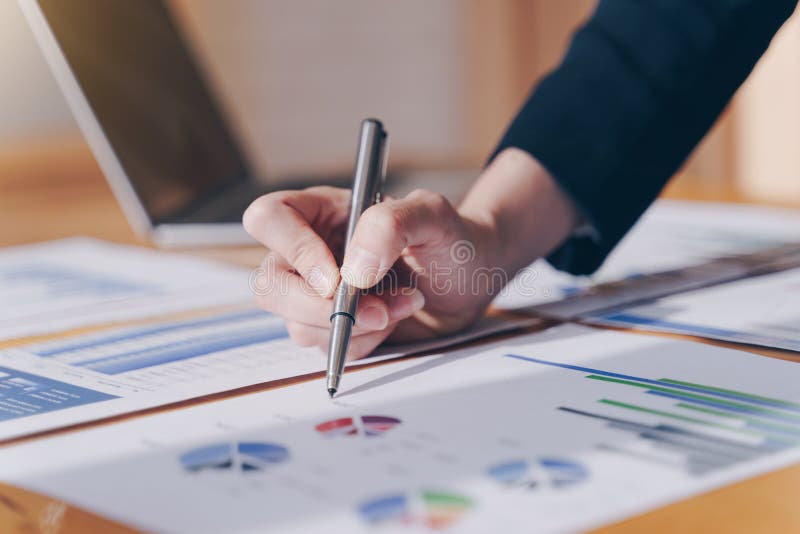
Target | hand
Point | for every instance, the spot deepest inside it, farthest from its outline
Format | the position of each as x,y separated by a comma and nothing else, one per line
416,247
430,269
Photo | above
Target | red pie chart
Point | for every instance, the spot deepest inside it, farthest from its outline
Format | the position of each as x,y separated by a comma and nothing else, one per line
366,425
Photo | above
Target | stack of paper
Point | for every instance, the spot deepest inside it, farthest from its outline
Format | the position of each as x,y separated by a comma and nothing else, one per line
559,431
763,310
91,330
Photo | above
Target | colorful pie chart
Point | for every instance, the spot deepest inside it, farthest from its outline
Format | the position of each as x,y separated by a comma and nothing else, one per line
435,509
367,425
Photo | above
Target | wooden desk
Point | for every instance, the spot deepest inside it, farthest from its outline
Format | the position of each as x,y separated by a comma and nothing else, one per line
58,191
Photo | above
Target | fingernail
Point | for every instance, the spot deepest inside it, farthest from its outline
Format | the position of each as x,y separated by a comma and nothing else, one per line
361,267
407,304
373,318
322,282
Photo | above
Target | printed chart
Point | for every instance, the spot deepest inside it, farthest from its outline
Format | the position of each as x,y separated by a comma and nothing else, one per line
367,425
767,312
26,286
23,394
243,456
74,283
91,329
129,349
564,430
111,329
436,510
557,473
710,427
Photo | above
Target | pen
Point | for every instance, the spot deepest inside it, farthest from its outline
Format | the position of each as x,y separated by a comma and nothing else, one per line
370,174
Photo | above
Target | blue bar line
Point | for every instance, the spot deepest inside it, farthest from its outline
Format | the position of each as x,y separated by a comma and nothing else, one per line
180,344
159,329
131,362
733,396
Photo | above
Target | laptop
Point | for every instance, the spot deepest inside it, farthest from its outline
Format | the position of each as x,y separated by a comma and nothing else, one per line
150,119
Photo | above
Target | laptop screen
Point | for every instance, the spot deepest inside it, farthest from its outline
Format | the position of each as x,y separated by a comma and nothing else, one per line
150,99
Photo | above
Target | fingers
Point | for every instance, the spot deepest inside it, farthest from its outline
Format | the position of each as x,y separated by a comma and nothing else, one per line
360,345
298,227
281,291
285,222
284,293
384,230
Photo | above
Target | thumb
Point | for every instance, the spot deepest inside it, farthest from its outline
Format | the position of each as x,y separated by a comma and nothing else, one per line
386,229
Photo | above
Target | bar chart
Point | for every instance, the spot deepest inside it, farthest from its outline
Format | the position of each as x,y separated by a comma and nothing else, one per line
129,349
700,428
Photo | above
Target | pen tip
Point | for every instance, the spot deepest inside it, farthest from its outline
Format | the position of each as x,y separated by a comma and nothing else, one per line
331,392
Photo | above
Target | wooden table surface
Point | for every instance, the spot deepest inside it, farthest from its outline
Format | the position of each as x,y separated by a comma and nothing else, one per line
56,190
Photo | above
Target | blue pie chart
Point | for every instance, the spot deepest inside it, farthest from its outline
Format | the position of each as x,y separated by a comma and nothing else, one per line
548,471
237,456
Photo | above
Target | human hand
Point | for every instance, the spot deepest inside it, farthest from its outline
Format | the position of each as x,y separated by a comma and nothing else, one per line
429,268
410,253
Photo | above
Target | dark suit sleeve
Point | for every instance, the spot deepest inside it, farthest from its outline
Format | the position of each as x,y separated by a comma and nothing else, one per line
640,85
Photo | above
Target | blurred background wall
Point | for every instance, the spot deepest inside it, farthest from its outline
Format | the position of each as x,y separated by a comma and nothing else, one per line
446,76
31,106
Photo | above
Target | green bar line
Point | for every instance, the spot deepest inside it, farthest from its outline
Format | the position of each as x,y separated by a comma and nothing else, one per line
679,417
764,424
682,393
732,392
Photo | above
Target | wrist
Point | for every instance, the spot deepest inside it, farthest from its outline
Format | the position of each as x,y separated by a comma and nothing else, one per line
519,205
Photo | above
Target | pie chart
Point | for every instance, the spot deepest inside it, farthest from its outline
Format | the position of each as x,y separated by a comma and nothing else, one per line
238,456
367,425
435,509
541,472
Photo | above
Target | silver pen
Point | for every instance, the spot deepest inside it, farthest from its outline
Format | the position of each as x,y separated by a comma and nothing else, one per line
368,180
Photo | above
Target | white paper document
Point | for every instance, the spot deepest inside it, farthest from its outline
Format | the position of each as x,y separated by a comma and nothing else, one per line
763,310
563,430
73,283
90,330
603,298
670,235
